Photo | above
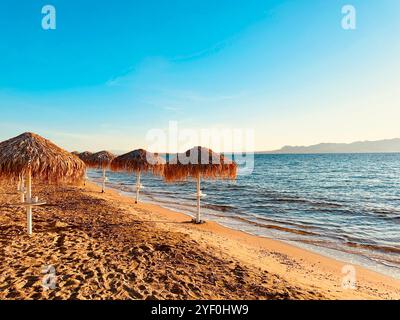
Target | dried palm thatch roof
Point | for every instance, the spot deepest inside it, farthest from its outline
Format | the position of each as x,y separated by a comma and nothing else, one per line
139,161
199,161
101,160
45,160
85,156
76,153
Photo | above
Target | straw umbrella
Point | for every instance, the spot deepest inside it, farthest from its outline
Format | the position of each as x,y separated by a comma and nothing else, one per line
34,157
198,163
85,156
139,161
101,160
20,184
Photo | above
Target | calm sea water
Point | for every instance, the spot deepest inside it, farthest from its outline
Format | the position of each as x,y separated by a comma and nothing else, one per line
342,205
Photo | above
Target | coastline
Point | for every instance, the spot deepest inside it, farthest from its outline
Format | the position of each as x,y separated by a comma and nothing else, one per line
103,246
350,217
276,256
336,254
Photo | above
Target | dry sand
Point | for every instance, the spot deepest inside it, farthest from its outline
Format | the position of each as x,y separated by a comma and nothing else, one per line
103,246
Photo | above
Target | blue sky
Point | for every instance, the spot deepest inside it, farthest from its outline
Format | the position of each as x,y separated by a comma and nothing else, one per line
113,70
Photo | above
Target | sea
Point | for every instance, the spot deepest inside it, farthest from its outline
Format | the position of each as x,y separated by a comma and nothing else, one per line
344,206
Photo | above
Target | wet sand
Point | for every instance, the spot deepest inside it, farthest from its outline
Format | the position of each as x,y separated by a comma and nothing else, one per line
103,246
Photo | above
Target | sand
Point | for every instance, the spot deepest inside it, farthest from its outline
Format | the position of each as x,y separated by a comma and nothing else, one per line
103,246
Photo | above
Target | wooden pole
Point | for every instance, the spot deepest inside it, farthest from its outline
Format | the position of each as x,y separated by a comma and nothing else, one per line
104,181
22,189
198,200
137,186
29,200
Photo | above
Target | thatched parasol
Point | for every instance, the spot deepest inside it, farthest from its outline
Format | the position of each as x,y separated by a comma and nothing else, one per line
139,161
31,156
101,160
20,184
198,163
85,156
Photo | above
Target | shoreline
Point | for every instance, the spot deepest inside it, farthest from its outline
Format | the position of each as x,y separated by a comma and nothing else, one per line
316,263
104,246
346,258
332,253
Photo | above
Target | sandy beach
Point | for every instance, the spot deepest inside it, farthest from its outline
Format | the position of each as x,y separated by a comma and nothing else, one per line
103,246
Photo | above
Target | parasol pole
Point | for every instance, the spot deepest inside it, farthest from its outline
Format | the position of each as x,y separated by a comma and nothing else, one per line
22,189
137,186
104,181
198,199
29,200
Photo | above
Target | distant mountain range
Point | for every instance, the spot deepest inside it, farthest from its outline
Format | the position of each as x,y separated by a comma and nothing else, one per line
378,146
388,145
